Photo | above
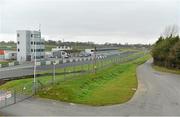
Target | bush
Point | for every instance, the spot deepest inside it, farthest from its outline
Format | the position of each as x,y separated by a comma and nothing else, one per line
166,52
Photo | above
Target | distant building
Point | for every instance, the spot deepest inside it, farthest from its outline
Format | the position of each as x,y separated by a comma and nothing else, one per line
89,51
2,54
61,51
62,48
8,55
29,43
60,54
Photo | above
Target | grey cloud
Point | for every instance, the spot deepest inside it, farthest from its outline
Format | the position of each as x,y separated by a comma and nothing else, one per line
139,18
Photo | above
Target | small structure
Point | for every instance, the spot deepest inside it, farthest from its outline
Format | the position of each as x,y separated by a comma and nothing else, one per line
60,54
62,48
2,52
89,51
8,55
61,51
48,55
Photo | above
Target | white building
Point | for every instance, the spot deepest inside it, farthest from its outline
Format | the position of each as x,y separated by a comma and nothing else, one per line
62,48
10,55
61,51
89,51
29,43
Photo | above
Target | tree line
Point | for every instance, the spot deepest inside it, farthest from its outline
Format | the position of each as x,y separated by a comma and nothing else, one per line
82,44
166,51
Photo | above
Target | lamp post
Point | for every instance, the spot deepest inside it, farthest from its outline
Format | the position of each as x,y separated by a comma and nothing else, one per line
34,80
95,59
54,71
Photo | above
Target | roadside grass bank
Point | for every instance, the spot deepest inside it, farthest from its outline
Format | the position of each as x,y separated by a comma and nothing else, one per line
114,85
4,62
163,69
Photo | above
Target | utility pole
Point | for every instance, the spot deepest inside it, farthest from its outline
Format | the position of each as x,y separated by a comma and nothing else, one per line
95,59
34,80
54,72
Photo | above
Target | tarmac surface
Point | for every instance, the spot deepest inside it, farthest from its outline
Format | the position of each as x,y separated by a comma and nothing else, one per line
157,94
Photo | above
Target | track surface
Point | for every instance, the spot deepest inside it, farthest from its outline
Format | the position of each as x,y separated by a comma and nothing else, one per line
158,94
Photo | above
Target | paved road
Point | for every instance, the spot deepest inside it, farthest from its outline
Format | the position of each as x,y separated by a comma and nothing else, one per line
157,94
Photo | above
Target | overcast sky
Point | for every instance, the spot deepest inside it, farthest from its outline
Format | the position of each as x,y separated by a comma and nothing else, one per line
100,21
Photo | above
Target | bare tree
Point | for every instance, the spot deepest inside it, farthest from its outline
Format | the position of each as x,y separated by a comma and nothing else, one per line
170,31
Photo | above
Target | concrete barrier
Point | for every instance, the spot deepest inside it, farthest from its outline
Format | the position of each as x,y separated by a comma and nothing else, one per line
11,64
67,61
64,60
60,61
16,63
0,65
57,61
71,60
38,63
80,59
48,62
76,59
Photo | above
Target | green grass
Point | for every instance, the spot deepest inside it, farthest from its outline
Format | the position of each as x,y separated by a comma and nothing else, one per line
129,49
113,85
4,62
28,82
163,69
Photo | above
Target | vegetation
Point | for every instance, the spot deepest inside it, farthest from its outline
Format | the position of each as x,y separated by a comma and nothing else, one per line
169,70
166,51
113,85
4,62
49,44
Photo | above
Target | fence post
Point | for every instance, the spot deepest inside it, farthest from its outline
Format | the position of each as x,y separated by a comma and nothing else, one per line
64,73
81,69
14,96
74,71
88,67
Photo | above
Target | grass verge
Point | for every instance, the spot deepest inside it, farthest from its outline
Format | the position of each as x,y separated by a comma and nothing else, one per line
3,62
113,85
163,69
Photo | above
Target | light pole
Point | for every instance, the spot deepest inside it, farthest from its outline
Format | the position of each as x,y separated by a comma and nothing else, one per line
95,59
54,71
34,80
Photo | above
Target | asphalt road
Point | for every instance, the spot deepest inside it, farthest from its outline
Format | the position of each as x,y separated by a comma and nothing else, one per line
157,94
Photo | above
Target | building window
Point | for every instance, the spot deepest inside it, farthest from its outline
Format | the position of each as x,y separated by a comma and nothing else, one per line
18,35
31,42
18,50
18,42
31,50
31,35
